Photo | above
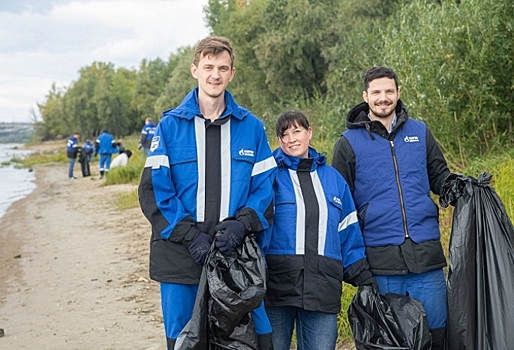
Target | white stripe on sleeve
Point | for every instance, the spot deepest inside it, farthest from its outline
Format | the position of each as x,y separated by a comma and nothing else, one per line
348,220
155,162
263,166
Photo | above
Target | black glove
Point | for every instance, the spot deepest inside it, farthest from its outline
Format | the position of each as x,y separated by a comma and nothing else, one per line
199,247
232,234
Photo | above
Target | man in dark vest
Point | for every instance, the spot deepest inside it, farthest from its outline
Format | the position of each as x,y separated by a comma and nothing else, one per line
391,163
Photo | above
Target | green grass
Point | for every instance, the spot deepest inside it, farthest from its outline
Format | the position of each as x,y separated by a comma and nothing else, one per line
15,162
343,325
503,182
129,174
45,157
36,158
501,167
127,200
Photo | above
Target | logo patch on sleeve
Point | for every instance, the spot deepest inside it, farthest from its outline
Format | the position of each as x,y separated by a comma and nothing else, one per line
155,143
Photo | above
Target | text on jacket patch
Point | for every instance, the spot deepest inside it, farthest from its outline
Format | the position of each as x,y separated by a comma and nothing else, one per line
411,139
246,152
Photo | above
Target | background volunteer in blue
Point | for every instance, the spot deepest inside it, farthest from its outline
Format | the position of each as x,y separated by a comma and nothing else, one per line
106,146
72,149
147,134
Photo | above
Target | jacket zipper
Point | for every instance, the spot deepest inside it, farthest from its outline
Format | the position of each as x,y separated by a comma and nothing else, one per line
400,192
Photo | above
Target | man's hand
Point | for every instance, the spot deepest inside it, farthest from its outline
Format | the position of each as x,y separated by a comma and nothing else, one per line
199,247
232,234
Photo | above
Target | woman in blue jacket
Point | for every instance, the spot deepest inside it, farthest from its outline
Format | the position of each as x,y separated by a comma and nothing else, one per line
314,245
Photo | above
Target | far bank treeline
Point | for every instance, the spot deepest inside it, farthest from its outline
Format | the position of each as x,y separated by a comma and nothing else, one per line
454,59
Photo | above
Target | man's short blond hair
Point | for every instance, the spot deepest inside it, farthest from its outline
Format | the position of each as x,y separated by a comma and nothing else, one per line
213,45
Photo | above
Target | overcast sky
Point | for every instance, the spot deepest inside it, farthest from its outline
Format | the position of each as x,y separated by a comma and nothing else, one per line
47,41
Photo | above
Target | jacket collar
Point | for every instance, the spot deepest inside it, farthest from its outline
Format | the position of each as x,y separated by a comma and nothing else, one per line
290,162
358,117
189,107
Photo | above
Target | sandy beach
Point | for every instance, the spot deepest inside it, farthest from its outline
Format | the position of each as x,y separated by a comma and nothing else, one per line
74,270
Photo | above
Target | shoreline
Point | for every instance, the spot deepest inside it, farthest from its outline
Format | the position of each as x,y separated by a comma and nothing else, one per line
16,183
75,269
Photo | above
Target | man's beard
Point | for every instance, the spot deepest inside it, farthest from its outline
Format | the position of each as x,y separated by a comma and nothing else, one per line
379,112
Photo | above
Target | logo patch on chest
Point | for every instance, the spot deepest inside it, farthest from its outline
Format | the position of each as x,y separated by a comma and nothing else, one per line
246,152
411,139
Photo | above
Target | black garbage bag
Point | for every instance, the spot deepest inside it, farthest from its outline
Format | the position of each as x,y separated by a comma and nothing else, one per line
390,321
84,163
195,335
481,272
229,289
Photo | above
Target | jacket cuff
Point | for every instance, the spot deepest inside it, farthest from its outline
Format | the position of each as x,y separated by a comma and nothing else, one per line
184,232
358,272
250,220
365,277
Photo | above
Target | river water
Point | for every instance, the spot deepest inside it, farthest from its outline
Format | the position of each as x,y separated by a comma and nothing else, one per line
14,183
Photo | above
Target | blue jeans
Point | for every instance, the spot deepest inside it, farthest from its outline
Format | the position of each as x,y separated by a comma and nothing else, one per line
70,168
428,287
314,330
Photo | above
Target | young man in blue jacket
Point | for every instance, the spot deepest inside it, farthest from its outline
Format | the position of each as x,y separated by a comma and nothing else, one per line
391,163
72,149
106,146
88,148
147,134
209,169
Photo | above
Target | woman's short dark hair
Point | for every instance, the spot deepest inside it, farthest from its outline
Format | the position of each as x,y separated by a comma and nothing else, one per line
290,118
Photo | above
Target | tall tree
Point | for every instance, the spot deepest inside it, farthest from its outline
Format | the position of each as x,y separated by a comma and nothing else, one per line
180,81
242,22
52,114
150,82
456,60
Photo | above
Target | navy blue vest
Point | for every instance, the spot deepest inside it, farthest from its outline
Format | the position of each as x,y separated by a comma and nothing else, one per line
392,191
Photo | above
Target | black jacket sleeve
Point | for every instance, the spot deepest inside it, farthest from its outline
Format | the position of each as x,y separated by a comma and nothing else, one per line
436,164
358,273
343,159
